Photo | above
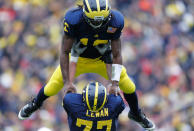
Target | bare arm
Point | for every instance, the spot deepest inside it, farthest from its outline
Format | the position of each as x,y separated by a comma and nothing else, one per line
64,57
72,71
116,52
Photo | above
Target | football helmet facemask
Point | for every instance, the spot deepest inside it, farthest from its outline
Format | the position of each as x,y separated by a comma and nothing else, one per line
97,13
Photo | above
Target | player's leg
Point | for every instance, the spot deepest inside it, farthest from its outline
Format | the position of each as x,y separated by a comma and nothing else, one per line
128,88
126,85
54,85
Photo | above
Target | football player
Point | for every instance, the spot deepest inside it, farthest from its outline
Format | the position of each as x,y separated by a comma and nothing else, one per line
92,37
93,109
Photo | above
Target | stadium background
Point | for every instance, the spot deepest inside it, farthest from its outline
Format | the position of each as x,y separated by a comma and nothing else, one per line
157,49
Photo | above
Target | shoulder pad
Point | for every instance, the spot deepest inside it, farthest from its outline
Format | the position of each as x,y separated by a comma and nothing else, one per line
117,19
67,98
115,99
73,16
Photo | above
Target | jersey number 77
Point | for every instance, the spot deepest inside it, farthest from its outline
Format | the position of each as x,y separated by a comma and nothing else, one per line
89,124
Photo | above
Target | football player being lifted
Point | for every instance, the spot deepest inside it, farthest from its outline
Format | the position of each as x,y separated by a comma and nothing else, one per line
92,37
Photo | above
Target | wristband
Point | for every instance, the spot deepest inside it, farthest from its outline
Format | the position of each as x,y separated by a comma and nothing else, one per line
116,72
74,59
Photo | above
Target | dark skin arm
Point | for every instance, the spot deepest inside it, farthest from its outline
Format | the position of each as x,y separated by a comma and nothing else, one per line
117,59
64,61
116,51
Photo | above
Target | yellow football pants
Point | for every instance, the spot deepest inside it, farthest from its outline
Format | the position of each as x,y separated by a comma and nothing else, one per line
86,65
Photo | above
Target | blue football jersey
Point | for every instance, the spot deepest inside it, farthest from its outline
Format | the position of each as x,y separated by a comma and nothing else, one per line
92,43
81,119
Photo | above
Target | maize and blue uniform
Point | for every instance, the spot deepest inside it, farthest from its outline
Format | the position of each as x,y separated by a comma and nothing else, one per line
94,28
93,49
81,119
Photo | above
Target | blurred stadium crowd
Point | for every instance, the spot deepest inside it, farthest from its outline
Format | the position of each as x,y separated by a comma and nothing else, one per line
157,49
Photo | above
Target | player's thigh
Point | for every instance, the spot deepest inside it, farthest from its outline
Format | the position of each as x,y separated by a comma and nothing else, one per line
86,65
55,84
125,83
